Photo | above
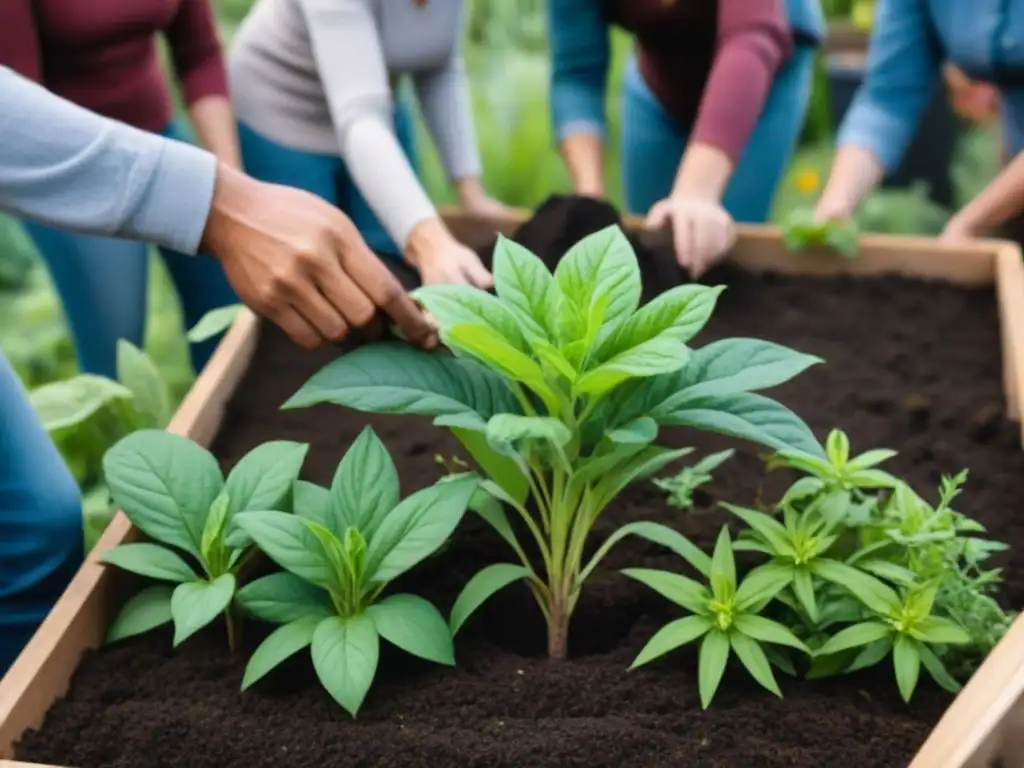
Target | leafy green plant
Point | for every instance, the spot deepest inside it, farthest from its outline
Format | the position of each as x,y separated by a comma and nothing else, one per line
726,615
173,491
800,230
557,388
214,322
680,487
340,551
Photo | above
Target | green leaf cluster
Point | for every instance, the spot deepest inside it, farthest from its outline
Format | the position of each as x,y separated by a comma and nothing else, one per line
173,490
680,487
340,550
858,568
557,387
800,230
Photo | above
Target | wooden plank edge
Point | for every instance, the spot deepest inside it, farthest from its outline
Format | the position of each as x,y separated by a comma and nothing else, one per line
77,622
1010,267
970,727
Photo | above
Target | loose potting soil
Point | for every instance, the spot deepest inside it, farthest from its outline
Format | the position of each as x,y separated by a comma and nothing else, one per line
910,365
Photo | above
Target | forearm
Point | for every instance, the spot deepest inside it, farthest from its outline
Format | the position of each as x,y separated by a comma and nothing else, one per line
444,98
96,175
1002,199
703,172
855,173
214,121
584,159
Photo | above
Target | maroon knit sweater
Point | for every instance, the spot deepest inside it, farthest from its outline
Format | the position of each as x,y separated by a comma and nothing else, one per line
102,54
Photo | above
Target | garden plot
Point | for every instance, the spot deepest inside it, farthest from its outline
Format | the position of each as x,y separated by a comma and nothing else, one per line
917,358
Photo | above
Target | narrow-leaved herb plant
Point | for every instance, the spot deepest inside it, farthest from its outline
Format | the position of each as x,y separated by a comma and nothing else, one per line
173,491
558,387
340,550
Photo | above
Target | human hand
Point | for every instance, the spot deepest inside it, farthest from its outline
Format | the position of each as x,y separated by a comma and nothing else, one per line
475,200
702,230
440,258
958,229
300,262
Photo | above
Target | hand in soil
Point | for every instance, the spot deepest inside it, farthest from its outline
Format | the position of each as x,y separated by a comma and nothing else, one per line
702,230
301,263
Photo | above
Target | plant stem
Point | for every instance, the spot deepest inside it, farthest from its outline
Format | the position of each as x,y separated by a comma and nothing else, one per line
558,627
234,630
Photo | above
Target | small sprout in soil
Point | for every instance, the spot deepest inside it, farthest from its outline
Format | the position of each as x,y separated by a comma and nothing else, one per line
801,230
173,491
557,389
726,615
680,487
340,550
214,323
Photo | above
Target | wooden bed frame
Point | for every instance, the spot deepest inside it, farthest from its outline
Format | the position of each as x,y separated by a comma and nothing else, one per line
977,729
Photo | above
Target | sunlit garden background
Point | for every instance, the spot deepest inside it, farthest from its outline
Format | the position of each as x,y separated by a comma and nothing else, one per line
506,53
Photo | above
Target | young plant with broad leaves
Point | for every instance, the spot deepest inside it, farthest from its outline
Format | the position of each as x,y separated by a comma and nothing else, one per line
724,616
173,490
558,387
341,549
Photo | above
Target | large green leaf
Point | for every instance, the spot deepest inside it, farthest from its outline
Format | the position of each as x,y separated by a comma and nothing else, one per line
365,486
415,626
601,266
393,377
214,323
148,609
745,415
288,541
690,594
417,527
523,282
136,371
744,365
673,635
501,469
150,560
312,502
452,305
195,604
165,483
281,644
656,533
507,432
65,404
281,598
490,348
482,586
653,357
263,478
345,656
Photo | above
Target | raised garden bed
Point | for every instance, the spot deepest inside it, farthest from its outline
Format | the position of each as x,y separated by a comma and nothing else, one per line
924,350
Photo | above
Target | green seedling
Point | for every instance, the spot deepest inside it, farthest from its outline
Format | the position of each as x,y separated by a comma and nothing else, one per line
173,491
680,487
903,624
340,551
800,230
214,323
557,387
725,614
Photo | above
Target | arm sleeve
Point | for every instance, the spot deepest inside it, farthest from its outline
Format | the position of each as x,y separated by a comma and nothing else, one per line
580,56
753,41
444,97
196,51
19,39
96,175
903,67
347,50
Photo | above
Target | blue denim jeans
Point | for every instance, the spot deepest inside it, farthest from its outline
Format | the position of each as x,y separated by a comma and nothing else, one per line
41,541
103,282
326,175
653,143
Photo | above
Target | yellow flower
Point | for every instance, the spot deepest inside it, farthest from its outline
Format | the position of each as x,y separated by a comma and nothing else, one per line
807,181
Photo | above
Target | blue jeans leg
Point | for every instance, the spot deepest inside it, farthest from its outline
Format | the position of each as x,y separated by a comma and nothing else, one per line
653,143
41,540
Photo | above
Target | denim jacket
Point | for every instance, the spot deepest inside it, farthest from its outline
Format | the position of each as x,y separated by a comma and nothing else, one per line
910,41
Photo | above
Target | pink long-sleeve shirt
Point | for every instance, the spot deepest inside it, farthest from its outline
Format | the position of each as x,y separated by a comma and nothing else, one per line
102,54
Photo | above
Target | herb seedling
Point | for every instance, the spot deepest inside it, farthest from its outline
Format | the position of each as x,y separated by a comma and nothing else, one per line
173,491
557,388
340,550
680,487
800,230
726,616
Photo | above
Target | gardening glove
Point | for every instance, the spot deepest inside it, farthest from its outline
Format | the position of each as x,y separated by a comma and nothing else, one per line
440,258
300,262
702,230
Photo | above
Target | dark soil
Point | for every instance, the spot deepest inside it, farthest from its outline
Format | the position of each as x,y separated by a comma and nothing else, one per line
910,365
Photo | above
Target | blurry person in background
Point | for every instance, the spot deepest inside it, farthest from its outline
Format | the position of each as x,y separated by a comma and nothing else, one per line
713,104
102,55
313,83
913,44
289,255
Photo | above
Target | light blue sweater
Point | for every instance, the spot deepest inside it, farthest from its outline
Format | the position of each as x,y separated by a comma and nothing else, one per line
70,168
